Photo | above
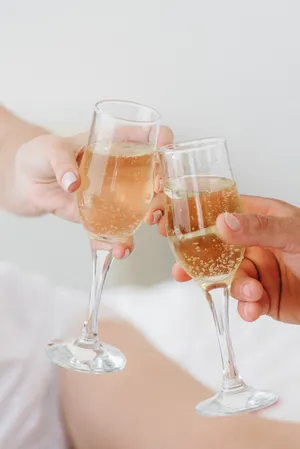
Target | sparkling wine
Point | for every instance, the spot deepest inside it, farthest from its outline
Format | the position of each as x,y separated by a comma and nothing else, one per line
116,188
191,226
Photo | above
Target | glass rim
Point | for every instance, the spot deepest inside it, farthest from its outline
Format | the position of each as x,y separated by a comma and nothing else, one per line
99,110
187,146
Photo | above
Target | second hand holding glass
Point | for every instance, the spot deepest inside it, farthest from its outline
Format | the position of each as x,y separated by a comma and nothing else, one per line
117,175
198,187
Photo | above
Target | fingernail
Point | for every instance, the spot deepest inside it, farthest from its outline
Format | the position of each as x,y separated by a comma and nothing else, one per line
157,216
127,253
68,179
232,221
247,290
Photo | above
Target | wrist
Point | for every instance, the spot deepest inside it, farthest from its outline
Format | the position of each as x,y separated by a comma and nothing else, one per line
14,133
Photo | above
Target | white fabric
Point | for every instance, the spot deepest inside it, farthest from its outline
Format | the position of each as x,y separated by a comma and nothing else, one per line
175,318
29,416
32,312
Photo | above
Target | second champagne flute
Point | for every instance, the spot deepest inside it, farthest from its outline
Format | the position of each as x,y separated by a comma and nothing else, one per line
198,187
117,175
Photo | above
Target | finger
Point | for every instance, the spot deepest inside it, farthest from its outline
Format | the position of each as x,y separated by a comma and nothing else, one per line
158,183
123,251
165,136
62,157
260,230
179,274
162,227
247,289
156,210
268,206
251,311
120,251
245,285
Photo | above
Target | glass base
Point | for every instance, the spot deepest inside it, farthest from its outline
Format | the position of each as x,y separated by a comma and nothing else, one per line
92,357
243,400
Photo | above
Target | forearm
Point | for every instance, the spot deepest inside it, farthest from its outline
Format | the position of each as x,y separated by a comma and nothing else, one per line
152,405
13,133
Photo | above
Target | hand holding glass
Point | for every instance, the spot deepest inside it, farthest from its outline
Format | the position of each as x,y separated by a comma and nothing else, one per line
117,175
198,187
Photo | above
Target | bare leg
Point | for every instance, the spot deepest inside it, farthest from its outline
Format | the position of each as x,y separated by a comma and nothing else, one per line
151,405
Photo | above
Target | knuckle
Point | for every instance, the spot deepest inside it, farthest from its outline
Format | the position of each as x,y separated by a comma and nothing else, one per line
260,222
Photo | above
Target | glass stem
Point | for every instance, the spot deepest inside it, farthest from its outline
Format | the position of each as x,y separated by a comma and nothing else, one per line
102,259
220,311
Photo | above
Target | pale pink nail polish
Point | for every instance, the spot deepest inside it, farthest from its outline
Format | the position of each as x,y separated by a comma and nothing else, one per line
127,253
67,180
157,216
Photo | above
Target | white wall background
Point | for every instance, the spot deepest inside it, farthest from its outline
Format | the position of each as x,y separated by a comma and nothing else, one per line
216,67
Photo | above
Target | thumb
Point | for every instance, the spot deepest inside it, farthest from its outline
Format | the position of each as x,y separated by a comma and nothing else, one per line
63,159
260,230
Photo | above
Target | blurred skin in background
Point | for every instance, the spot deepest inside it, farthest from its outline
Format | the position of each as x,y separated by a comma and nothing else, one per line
38,174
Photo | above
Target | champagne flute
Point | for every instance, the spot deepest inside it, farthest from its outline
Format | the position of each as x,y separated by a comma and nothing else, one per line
117,175
198,187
